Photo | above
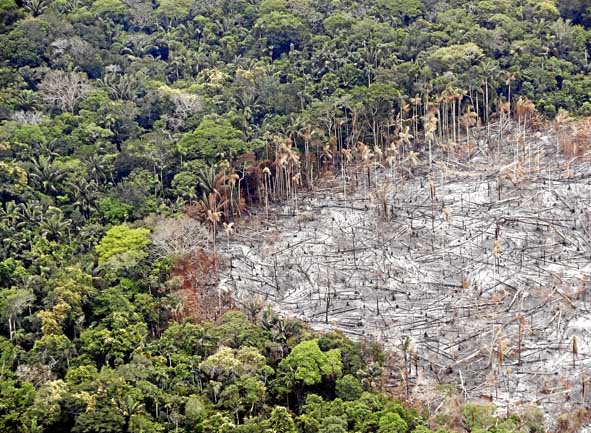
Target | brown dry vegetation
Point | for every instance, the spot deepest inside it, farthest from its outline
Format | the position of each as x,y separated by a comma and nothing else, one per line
198,288
575,137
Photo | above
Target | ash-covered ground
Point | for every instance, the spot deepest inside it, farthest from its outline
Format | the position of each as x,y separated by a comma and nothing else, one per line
485,264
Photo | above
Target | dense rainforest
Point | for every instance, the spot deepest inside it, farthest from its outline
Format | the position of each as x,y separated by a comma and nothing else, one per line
132,134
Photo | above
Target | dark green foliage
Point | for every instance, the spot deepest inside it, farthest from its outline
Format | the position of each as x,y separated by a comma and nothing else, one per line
9,13
25,44
114,211
578,11
349,388
282,31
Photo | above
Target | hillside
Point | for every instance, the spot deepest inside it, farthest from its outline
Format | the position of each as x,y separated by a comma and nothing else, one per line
412,174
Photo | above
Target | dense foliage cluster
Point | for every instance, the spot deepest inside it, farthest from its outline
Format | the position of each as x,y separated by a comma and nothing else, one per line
112,111
229,377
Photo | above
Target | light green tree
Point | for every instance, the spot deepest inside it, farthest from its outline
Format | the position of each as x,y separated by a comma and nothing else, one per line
281,421
123,246
309,364
392,423
215,137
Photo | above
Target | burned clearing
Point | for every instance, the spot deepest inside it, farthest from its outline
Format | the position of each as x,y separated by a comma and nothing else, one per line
475,272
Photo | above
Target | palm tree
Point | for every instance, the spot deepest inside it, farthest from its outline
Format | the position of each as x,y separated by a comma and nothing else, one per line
575,350
97,167
119,86
365,155
266,183
326,154
469,119
287,161
45,174
27,100
370,376
109,28
232,182
296,180
510,77
521,324
84,195
488,70
54,227
31,214
415,102
13,303
247,162
174,305
35,7
220,185
129,407
458,96
561,119
413,159
405,136
451,98
408,351
209,180
11,214
346,158
430,129
307,134
33,426
211,206
525,108
505,113
228,229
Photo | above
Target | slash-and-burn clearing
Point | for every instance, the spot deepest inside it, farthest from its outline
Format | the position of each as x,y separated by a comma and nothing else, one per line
473,270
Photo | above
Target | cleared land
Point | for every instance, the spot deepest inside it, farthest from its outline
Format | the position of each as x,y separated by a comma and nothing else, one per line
485,264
